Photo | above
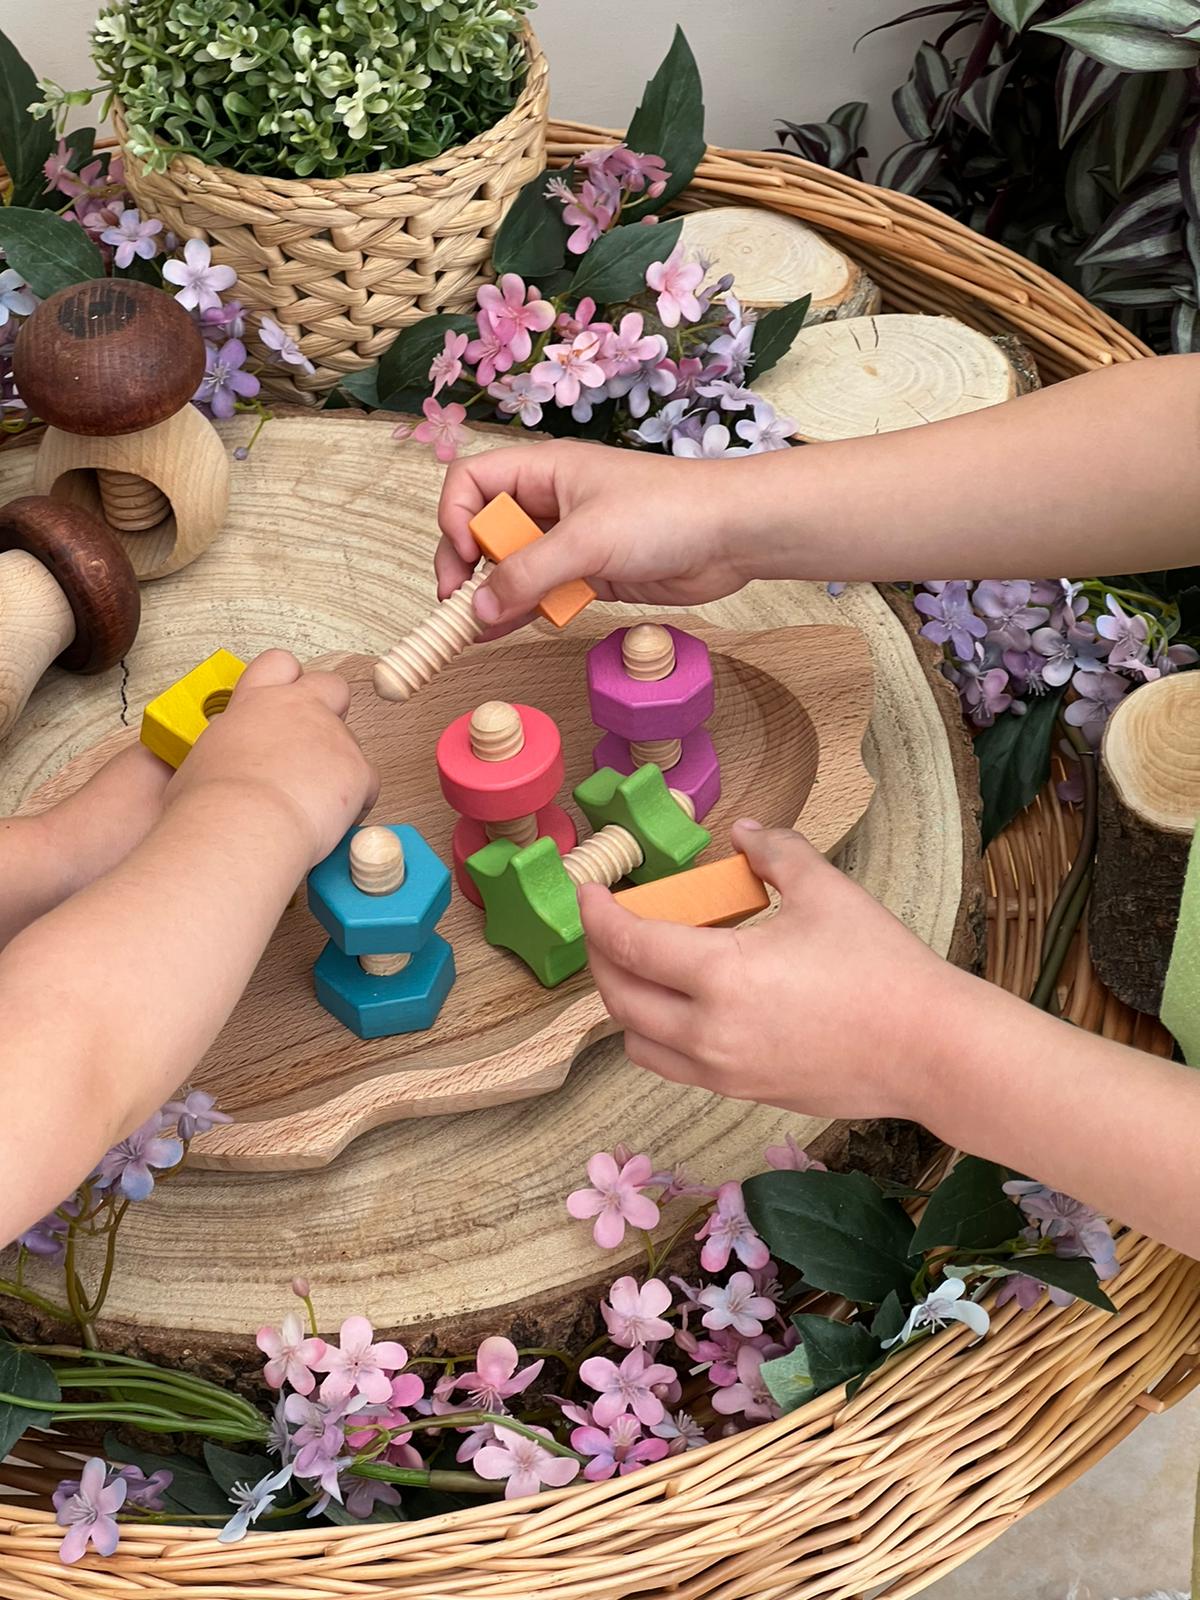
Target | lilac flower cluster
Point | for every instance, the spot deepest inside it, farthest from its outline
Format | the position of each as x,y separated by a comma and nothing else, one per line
1071,1230
1009,641
612,180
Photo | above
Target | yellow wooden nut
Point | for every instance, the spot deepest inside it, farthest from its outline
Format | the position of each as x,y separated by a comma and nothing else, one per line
173,722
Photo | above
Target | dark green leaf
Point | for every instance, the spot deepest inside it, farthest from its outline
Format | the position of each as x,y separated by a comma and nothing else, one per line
670,123
890,1318
1134,35
615,266
969,1210
192,1489
1189,177
788,1380
362,387
404,366
1014,762
27,1378
1077,1277
381,1513
836,1351
1015,14
978,105
25,141
910,111
933,77
836,1228
1185,329
1088,200
775,333
850,118
1146,227
910,168
1144,118
49,252
532,239
899,1191
230,1466
1082,87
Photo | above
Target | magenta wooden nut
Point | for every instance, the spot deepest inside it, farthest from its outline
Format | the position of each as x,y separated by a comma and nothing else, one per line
697,773
498,791
470,836
665,708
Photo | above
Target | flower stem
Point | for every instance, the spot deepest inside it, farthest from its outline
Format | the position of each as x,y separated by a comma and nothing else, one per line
477,1419
434,1478
18,1291
1069,906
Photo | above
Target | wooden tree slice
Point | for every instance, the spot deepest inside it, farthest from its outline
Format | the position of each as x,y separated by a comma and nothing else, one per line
1149,806
775,259
842,380
455,1225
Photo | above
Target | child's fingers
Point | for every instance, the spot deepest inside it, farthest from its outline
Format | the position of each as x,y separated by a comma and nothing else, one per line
449,568
331,689
525,472
648,1008
781,857
664,953
267,671
568,551
660,1059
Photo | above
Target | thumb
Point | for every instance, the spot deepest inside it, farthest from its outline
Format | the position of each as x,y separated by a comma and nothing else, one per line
519,581
268,671
780,856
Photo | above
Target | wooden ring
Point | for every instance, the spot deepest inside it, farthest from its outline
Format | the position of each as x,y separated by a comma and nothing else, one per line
90,567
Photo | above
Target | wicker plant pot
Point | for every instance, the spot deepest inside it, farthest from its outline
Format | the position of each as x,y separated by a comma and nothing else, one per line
344,263
943,1449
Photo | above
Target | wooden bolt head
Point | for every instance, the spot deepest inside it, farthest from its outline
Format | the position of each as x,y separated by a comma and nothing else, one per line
90,567
376,861
110,356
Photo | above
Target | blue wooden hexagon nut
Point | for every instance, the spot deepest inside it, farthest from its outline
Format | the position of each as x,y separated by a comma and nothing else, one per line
380,924
407,1001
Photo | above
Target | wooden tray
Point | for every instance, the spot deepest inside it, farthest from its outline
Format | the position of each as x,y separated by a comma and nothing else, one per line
792,708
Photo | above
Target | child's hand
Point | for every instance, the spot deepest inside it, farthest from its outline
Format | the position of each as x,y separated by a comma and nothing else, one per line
644,529
284,733
97,826
828,1009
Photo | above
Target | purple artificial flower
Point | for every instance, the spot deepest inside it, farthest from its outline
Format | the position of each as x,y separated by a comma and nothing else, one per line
16,297
48,1237
1127,635
1026,672
1077,1230
985,692
131,236
1027,1291
196,1113
224,380
1098,694
946,1303
951,619
622,1447
283,347
788,1156
728,1231
517,395
226,321
714,444
737,1305
681,1432
251,1501
89,1512
638,386
364,1494
1067,650
765,430
201,283
140,1490
131,1165
1006,606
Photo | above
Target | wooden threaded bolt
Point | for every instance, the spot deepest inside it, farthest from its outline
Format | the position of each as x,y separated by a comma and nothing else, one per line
662,753
415,661
377,867
131,504
605,858
648,652
497,735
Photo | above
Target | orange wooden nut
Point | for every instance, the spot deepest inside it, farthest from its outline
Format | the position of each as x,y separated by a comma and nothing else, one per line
706,897
502,527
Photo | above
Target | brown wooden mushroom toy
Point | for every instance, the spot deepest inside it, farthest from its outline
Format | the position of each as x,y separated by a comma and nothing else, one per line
111,366
68,595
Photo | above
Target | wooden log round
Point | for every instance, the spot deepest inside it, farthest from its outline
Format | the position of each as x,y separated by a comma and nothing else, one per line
450,1228
1149,805
841,380
775,258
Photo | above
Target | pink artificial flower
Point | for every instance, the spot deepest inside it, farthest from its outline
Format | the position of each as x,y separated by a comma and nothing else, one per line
358,1366
201,283
626,348
90,1513
634,172
629,1387
365,1493
736,1305
634,1316
680,1431
57,167
77,183
675,282
615,1198
442,428
488,354
290,1354
517,395
515,313
568,368
728,1231
448,363
526,1464
579,321
749,1396
495,1378
622,1448
789,1157
590,213
474,1441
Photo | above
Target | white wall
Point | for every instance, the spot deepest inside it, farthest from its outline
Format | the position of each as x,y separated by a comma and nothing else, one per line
759,59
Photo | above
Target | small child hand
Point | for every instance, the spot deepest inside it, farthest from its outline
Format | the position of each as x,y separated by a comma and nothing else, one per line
643,529
284,732
826,1009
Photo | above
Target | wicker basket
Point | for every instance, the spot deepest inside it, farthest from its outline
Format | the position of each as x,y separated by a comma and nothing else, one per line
947,1446
344,263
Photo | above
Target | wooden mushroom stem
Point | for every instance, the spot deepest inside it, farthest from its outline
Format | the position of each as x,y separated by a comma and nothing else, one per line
36,626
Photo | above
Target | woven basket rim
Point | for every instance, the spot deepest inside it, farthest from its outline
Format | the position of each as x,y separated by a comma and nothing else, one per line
200,174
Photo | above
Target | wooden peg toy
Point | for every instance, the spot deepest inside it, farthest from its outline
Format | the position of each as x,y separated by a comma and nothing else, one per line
499,529
68,597
530,894
711,896
173,721
500,767
379,896
651,687
111,366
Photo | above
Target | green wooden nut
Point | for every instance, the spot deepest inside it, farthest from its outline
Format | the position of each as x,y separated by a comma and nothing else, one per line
643,804
530,906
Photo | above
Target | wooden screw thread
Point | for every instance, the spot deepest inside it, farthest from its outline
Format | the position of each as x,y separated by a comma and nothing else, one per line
377,867
684,802
662,753
131,504
415,661
648,652
606,857
496,731
521,830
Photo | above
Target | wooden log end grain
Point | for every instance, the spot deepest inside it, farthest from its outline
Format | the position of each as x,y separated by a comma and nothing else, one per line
775,259
1148,805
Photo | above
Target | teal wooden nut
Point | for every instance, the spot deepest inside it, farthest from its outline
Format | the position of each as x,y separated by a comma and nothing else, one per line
641,803
530,903
380,924
407,1001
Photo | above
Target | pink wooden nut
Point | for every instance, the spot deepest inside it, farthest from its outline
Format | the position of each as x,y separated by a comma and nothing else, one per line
661,708
696,774
496,791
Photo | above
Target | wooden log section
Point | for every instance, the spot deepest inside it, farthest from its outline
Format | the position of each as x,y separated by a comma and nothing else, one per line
842,380
775,259
1149,804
